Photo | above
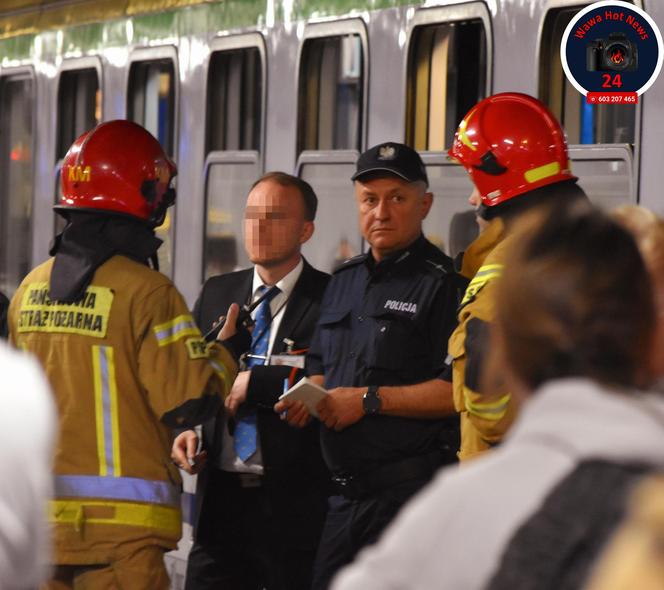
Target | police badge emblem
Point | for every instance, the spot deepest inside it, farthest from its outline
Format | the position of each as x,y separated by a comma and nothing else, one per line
387,152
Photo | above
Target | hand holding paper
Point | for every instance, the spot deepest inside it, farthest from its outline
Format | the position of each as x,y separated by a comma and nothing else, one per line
307,392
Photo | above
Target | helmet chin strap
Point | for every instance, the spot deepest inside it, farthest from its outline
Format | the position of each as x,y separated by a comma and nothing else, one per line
157,218
484,212
149,192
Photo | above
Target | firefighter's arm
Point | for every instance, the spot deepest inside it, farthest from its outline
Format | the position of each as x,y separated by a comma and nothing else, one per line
489,408
184,377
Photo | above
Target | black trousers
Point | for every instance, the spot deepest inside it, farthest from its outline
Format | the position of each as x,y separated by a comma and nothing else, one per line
252,538
350,525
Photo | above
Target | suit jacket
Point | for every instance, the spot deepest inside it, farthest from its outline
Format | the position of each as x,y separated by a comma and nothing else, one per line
292,461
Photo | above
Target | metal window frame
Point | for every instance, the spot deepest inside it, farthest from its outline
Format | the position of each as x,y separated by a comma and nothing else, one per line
213,157
597,151
230,43
142,55
27,72
155,54
442,15
71,64
337,28
222,157
609,152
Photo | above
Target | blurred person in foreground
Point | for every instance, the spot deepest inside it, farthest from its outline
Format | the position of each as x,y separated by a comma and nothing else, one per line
4,308
634,558
648,231
515,153
546,500
526,562
28,429
124,358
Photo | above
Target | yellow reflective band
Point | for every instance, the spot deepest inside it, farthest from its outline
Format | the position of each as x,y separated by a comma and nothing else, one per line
487,411
115,421
542,172
106,411
487,268
99,411
463,136
86,317
483,276
172,331
81,512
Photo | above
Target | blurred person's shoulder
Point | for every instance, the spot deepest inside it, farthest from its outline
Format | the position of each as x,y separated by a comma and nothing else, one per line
27,397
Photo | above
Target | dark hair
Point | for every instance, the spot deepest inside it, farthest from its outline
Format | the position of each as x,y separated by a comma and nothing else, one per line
575,299
284,179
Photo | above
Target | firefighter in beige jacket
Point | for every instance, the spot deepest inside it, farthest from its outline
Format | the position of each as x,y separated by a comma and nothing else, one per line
125,360
516,155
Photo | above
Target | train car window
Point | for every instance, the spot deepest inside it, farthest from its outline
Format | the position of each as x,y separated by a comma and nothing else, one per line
446,225
235,113
333,85
226,189
16,178
151,99
447,68
235,100
151,103
331,92
79,110
79,106
337,236
583,123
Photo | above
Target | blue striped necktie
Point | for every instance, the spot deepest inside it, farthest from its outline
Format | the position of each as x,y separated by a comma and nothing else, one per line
245,436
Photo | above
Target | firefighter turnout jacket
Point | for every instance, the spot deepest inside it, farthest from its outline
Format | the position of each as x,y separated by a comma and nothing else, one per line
127,363
485,416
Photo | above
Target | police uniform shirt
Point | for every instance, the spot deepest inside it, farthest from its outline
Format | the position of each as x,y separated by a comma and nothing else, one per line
229,461
385,323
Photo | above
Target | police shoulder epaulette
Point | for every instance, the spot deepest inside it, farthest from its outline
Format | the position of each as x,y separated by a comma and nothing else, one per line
438,267
354,261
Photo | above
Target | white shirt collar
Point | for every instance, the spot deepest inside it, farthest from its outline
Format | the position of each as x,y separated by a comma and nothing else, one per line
286,284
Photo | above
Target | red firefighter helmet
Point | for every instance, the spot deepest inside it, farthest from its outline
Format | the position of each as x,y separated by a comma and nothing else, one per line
510,144
118,167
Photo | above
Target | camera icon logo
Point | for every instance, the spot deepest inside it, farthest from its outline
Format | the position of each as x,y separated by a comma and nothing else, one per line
612,47
615,54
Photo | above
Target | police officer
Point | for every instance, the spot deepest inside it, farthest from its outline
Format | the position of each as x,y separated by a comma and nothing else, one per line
515,153
124,358
379,349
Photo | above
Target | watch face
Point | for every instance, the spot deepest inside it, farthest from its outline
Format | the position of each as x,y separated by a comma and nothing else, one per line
371,401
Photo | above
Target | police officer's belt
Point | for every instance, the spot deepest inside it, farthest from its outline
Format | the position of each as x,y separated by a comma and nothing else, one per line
357,487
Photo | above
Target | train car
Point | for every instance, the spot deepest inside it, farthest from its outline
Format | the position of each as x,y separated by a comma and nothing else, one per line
234,88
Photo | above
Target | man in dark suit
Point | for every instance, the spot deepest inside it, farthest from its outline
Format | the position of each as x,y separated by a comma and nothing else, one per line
260,510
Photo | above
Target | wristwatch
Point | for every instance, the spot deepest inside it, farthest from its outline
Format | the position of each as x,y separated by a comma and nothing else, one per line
371,401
